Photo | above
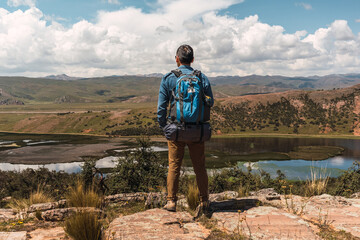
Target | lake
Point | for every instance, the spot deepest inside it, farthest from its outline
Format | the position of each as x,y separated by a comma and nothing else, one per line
220,152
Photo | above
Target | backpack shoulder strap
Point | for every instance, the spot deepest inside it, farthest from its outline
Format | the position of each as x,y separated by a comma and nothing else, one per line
198,74
177,72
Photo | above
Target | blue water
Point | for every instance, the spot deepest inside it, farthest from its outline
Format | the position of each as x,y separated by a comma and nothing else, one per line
302,169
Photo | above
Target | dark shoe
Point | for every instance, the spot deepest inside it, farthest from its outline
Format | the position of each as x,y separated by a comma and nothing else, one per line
170,206
203,209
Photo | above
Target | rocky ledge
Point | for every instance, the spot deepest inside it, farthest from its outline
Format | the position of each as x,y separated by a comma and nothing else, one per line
264,215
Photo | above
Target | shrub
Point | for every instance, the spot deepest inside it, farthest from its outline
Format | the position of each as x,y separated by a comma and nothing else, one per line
83,226
81,197
317,184
40,196
192,196
21,184
348,182
140,170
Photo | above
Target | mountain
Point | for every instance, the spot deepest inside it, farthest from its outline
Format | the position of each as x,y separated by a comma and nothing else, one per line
61,77
335,111
63,88
312,82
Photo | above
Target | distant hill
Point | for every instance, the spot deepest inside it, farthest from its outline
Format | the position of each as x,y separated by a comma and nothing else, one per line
61,77
297,111
63,88
313,82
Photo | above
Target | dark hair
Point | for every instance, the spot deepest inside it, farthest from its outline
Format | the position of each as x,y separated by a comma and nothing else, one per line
185,54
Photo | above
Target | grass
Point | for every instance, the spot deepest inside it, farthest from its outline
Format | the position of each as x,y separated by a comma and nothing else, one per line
317,184
192,196
81,197
83,226
38,196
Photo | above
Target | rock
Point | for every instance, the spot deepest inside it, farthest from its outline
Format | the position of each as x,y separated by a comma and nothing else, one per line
155,200
342,214
156,224
6,214
43,207
57,214
56,233
13,235
127,197
264,222
62,203
61,213
355,195
223,196
268,194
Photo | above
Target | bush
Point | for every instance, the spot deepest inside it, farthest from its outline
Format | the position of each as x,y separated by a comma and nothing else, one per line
192,196
83,226
233,178
81,197
140,170
349,182
21,184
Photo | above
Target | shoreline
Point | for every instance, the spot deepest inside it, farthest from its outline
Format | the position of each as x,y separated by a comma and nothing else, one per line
232,135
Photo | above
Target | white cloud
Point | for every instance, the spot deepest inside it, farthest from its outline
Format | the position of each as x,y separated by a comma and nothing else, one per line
130,41
17,3
114,2
357,20
306,6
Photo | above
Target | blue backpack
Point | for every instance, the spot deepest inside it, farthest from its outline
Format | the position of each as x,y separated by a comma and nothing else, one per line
190,105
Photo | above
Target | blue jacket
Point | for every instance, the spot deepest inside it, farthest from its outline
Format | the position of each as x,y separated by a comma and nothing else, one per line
168,83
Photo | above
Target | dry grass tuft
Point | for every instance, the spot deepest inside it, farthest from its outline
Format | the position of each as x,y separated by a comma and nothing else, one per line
83,226
39,196
318,182
81,197
192,196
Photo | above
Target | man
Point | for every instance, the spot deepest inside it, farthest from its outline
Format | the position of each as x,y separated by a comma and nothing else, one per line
184,58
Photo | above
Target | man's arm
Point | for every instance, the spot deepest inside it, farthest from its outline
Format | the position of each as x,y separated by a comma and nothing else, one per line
163,102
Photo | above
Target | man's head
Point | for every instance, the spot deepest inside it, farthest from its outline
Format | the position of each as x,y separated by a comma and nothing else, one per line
184,55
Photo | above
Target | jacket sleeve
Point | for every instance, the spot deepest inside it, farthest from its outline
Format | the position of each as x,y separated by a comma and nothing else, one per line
207,90
163,102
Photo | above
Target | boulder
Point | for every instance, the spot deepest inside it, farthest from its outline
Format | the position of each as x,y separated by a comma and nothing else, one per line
42,207
223,196
264,222
126,197
157,224
267,194
6,214
56,233
155,200
13,235
57,214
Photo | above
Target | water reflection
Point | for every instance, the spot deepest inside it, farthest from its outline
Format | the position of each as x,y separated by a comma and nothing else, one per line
301,169
73,167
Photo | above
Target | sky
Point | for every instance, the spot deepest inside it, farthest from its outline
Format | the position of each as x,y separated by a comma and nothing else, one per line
93,38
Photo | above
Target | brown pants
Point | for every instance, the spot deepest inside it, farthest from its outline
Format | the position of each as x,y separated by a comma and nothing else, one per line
197,155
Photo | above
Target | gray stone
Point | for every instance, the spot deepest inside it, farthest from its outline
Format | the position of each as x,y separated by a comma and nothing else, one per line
268,194
13,235
157,224
6,214
223,196
61,214
355,195
57,214
43,207
56,233
264,222
155,200
126,197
